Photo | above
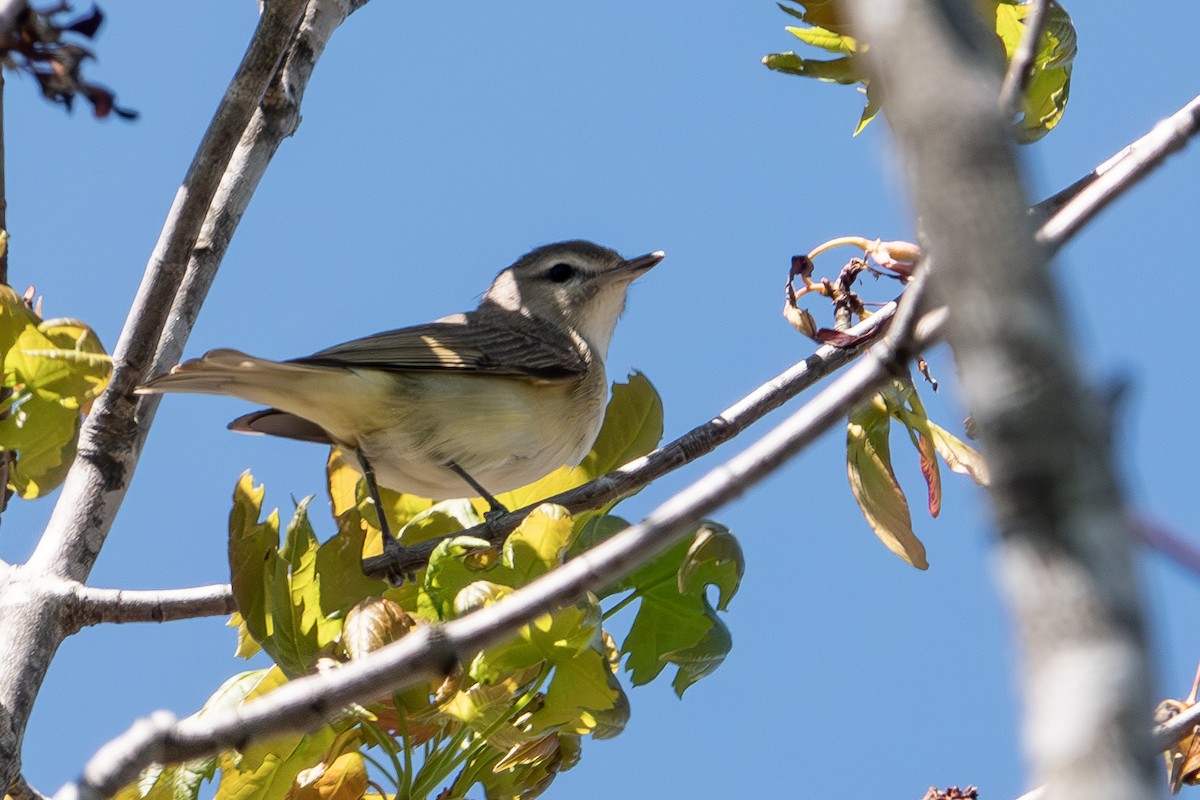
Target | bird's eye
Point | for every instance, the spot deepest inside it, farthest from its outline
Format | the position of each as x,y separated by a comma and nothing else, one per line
561,273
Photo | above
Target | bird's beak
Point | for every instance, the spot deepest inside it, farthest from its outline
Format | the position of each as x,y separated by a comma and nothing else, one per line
636,266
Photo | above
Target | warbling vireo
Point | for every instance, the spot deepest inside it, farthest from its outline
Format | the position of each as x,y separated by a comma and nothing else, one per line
492,399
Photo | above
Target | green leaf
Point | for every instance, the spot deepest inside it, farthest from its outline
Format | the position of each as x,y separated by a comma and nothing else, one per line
453,566
582,688
339,563
267,771
43,433
825,39
1046,97
278,592
675,623
838,70
869,468
15,317
59,360
539,544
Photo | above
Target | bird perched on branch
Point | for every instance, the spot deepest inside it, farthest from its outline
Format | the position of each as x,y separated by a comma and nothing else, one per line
491,399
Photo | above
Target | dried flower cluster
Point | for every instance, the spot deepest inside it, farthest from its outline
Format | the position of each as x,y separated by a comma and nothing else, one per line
36,46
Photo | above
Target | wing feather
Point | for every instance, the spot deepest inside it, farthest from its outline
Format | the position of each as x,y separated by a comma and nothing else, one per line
492,342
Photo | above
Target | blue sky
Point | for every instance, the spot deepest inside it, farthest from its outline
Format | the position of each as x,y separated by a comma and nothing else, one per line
442,140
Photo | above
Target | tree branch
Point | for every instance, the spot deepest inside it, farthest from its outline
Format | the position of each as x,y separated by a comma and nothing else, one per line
276,118
1020,68
1065,544
113,433
91,606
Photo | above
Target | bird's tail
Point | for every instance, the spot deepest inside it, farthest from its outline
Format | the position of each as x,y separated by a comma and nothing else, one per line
233,373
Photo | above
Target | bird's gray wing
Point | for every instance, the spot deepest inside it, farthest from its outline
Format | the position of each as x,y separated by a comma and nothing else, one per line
496,343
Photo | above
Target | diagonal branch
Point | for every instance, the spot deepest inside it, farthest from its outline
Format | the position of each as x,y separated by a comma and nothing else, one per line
1127,168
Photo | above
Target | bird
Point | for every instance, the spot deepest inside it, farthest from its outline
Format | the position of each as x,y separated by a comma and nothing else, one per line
487,401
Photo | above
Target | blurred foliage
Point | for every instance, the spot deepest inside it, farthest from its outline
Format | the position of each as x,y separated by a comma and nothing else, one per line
510,718
39,44
828,29
53,369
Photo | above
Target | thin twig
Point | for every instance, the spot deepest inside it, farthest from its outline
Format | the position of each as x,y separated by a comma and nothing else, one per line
1021,67
1135,163
91,606
1158,537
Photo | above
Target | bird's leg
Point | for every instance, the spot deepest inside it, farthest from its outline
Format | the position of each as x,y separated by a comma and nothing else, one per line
495,507
392,548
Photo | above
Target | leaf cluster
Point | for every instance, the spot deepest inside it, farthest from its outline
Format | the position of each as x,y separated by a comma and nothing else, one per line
53,369
511,717
828,29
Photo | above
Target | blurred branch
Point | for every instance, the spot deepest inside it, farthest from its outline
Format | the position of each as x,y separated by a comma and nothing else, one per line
1065,544
1020,68
1175,547
309,702
91,606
